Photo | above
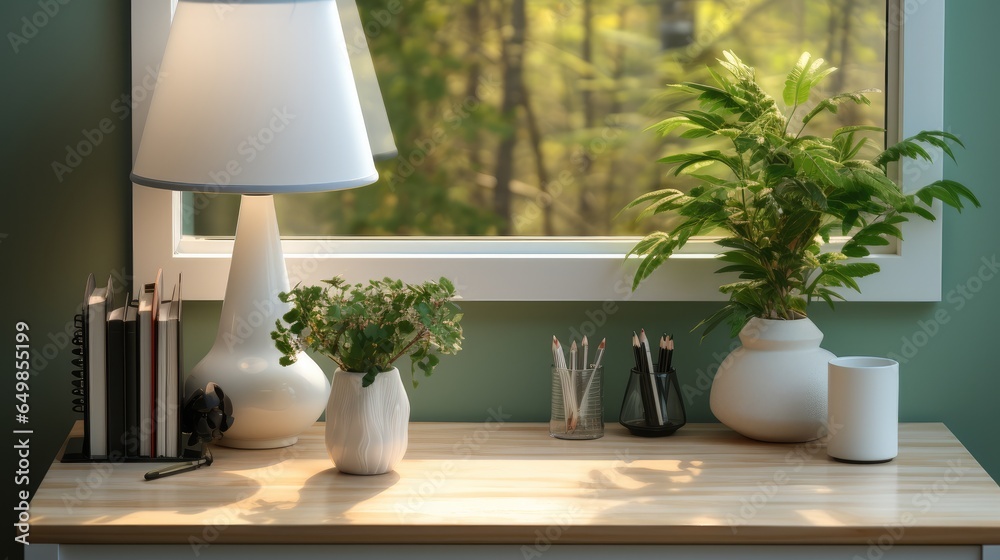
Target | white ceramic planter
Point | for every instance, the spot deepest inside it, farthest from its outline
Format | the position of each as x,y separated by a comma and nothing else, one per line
774,387
366,427
864,409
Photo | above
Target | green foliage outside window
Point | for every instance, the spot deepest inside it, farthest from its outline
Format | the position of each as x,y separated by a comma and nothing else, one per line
527,117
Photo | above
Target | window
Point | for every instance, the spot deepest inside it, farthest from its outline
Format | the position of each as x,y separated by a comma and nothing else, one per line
579,151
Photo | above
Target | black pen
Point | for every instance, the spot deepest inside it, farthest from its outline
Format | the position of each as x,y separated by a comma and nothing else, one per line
179,468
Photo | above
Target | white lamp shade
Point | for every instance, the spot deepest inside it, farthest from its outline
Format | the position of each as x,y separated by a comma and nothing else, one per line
256,96
372,104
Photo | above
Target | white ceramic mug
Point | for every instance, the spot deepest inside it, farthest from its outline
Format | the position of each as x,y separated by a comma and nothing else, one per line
863,409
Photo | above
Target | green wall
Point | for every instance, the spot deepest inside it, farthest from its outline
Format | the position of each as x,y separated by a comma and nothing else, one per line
67,77
63,81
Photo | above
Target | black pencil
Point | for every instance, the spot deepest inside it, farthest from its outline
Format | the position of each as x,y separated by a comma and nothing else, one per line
635,351
661,364
645,384
670,353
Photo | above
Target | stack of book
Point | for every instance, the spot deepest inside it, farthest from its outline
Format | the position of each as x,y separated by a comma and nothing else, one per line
132,378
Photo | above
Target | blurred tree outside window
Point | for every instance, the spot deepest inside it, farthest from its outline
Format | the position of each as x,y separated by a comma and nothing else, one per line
527,117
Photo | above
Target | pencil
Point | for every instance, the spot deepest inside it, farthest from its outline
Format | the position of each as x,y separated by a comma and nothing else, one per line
655,391
635,351
645,384
566,383
644,343
584,399
670,353
558,359
561,354
600,353
661,361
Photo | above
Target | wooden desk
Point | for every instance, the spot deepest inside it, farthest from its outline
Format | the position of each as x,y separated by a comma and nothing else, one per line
512,487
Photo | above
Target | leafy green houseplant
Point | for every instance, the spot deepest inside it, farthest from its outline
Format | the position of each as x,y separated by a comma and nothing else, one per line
781,193
776,194
366,328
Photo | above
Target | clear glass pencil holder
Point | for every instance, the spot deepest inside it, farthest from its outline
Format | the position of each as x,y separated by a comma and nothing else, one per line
652,405
577,403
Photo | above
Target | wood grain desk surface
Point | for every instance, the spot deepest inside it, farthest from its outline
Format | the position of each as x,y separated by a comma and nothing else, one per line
512,483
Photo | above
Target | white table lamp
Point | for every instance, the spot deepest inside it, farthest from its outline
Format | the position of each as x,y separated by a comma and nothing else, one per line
260,97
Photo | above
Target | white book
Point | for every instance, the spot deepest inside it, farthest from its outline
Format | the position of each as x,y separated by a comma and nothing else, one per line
96,310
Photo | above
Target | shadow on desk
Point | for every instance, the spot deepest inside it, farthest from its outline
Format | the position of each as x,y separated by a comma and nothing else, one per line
323,498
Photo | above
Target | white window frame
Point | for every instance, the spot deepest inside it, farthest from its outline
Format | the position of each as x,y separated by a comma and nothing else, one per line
540,269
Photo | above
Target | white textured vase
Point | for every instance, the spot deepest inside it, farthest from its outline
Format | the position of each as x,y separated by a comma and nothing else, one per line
366,427
774,387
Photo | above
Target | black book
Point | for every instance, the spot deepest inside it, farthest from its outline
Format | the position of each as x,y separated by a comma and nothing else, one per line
115,360
131,381
85,369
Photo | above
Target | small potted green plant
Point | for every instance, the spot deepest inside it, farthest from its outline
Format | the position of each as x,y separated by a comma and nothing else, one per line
365,329
779,195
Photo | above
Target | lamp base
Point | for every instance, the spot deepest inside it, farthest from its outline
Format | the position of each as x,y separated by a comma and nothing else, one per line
272,404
